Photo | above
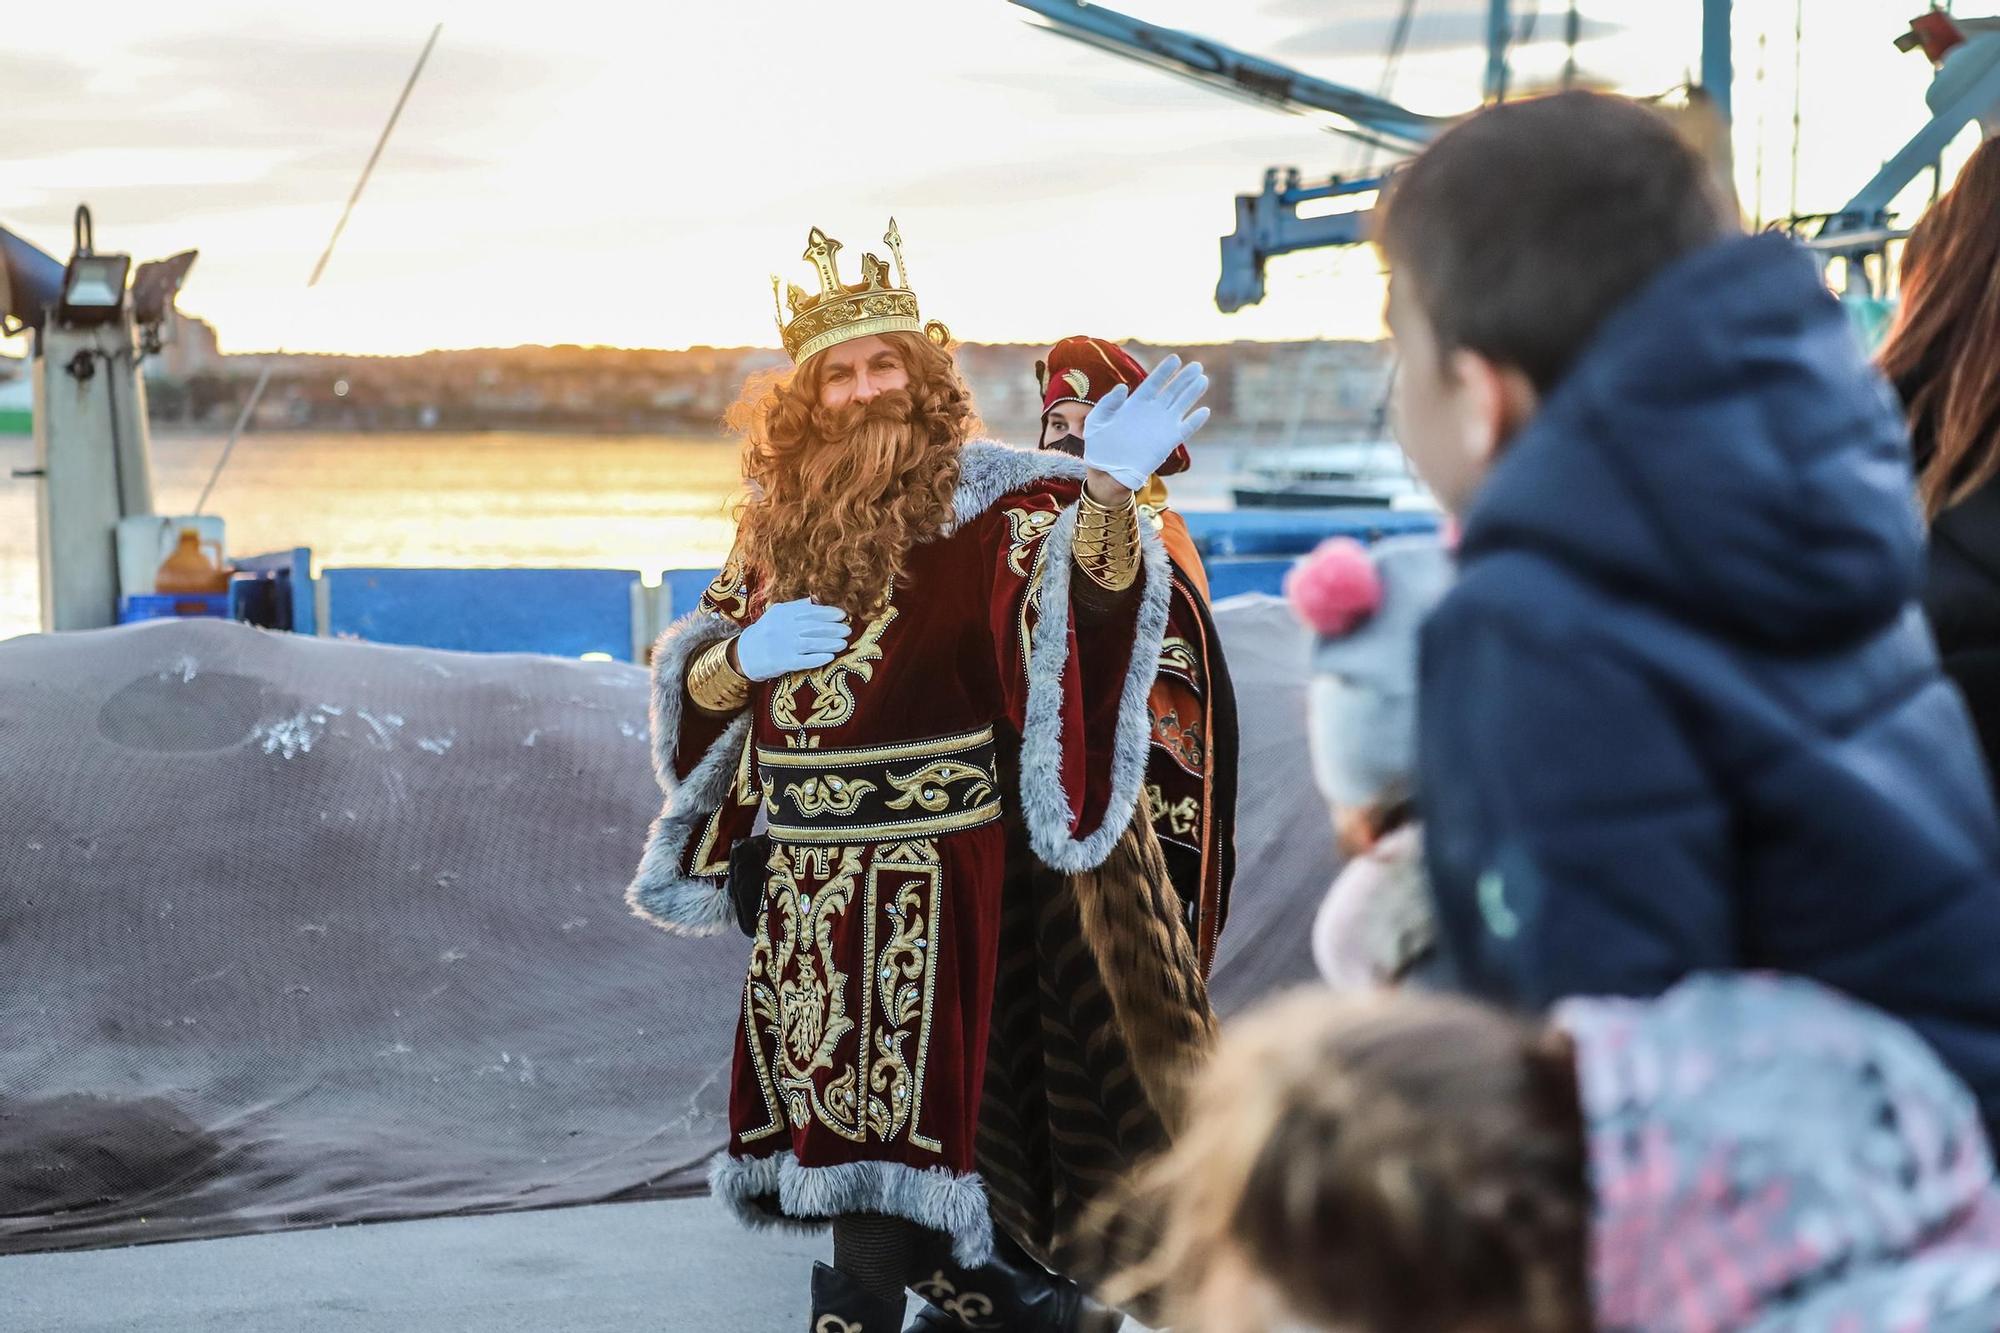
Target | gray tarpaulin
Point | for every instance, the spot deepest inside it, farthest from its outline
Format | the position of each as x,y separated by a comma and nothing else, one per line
297,931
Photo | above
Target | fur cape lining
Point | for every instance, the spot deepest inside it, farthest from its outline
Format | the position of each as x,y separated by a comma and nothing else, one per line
776,1191
987,472
659,893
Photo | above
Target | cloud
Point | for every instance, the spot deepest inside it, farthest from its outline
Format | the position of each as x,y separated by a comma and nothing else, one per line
225,123
32,77
232,90
193,183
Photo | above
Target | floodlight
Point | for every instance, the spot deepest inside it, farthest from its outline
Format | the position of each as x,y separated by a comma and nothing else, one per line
94,288
156,285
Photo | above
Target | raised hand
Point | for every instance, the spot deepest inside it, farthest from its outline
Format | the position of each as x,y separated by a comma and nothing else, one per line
1129,434
791,636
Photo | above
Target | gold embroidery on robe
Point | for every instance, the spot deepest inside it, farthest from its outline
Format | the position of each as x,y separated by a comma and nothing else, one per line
908,984
833,698
797,1001
832,795
1183,742
1182,817
1031,601
1025,528
930,786
1178,655
729,588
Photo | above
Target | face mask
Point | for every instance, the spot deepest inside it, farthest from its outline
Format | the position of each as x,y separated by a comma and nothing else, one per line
1067,443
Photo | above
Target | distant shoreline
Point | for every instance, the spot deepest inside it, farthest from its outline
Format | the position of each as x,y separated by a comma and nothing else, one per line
1019,433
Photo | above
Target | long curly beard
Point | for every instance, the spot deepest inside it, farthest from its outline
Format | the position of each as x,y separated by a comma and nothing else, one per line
834,513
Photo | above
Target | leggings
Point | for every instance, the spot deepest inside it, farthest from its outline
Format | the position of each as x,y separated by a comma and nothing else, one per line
878,1252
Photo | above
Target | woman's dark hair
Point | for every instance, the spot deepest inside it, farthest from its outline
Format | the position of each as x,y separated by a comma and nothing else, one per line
1943,351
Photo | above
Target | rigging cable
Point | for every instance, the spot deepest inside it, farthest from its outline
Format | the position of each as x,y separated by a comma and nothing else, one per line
1392,60
1798,75
264,377
1763,39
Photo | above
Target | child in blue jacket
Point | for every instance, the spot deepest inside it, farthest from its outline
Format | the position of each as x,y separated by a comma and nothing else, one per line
1680,711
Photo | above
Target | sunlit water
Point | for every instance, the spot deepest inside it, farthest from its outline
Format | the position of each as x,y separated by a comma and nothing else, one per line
645,502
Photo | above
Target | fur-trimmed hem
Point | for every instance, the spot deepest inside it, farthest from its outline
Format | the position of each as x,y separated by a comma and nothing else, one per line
659,893
1044,804
808,1197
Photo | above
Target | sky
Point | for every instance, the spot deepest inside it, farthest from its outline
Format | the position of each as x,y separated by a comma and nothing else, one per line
611,172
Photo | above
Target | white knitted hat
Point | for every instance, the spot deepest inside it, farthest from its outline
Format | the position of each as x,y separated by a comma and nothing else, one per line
1366,607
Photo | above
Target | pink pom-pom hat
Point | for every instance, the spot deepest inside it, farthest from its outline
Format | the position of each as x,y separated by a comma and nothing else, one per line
1335,588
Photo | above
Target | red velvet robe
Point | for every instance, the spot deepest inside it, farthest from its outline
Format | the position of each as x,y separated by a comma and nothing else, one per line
863,1028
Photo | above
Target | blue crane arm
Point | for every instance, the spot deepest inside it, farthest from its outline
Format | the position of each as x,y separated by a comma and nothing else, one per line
1237,72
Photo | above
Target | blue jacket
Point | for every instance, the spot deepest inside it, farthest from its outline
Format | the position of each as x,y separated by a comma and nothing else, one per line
1681,711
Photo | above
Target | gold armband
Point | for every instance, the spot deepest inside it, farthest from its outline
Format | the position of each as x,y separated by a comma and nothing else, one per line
1107,543
715,685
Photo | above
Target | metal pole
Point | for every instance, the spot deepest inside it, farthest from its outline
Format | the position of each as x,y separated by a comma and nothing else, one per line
380,143
264,378
1717,67
1572,32
1499,32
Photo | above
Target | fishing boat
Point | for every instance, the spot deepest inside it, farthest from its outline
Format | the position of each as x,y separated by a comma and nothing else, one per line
1364,474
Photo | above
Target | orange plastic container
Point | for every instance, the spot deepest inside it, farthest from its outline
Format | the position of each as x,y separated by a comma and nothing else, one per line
191,569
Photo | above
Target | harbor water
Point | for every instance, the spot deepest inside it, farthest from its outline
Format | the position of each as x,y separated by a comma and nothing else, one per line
643,502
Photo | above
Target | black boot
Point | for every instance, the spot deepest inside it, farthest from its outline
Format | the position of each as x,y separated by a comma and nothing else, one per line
1011,1292
842,1305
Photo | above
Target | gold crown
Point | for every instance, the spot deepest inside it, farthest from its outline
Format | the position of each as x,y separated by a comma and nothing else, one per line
840,311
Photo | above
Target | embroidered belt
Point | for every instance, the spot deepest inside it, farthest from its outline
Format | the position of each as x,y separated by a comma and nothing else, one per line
882,793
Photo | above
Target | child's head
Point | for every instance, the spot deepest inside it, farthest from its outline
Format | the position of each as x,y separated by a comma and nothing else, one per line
1508,241
1376,1165
1365,607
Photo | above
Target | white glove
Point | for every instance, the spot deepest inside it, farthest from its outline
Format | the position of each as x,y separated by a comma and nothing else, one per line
791,636
1130,435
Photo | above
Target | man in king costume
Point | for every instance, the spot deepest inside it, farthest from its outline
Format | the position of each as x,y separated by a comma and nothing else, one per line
924,673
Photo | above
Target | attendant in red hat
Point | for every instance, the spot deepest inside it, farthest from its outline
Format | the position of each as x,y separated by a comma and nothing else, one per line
1190,789
1191,767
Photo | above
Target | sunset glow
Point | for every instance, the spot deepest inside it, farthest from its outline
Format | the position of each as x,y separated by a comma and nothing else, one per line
601,172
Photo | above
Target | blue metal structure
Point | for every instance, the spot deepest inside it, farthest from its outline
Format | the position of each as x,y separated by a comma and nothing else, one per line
1718,66
1499,33
1214,65
563,612
616,613
1268,222
1966,89
289,574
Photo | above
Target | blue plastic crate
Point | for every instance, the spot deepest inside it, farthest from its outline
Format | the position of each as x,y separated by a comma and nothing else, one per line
169,606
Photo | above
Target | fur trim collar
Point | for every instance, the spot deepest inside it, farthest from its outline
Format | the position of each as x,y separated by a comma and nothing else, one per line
988,469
